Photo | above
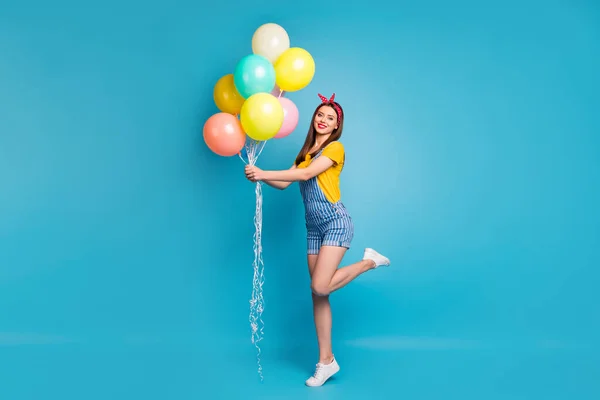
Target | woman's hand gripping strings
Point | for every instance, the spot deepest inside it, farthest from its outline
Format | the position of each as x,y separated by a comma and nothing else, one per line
282,179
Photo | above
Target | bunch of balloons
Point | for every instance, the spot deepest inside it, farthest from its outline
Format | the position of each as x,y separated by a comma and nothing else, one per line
253,111
250,99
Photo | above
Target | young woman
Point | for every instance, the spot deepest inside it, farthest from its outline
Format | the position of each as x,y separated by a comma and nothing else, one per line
329,226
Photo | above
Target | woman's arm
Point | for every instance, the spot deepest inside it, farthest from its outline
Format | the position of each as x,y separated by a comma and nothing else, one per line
281,185
316,167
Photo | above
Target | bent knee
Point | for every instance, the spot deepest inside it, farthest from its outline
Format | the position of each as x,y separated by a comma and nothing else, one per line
320,288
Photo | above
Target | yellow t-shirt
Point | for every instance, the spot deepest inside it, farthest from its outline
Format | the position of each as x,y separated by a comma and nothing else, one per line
329,180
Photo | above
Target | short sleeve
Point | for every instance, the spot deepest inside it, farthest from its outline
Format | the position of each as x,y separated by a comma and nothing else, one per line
335,152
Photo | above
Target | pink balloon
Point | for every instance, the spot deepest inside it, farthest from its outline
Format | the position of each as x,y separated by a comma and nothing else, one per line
290,118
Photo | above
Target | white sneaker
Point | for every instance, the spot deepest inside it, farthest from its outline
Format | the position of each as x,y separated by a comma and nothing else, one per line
322,373
379,260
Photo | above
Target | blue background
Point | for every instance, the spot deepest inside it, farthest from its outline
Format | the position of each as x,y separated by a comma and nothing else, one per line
472,162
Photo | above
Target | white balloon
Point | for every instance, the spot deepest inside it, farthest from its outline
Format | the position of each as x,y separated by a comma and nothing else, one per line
270,40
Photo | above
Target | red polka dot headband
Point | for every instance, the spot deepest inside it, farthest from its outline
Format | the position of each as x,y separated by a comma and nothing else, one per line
330,102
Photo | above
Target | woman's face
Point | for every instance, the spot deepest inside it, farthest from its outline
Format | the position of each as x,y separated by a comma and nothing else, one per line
325,120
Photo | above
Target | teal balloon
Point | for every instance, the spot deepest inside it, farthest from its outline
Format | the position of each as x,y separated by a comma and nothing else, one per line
254,74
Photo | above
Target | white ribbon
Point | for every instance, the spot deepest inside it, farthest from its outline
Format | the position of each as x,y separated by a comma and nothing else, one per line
253,150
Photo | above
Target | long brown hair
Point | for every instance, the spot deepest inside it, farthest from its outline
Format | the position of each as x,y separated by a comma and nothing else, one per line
311,136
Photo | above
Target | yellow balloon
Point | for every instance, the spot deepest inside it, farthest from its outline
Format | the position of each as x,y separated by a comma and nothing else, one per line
261,116
294,69
226,96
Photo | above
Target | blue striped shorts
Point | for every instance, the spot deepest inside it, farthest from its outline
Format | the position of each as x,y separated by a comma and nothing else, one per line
333,227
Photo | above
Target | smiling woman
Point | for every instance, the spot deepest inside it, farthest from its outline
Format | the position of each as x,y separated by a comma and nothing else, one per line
330,229
126,246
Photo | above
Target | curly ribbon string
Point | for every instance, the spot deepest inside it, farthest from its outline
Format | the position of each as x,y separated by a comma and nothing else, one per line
253,149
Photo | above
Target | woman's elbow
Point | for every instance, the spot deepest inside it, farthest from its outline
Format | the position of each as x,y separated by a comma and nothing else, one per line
284,185
306,175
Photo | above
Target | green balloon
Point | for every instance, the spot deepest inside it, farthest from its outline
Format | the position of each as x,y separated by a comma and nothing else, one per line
254,74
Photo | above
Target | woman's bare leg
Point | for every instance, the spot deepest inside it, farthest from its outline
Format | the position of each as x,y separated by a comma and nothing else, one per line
327,278
322,317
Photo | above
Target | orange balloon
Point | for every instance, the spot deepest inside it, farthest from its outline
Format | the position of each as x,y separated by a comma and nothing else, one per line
223,134
226,96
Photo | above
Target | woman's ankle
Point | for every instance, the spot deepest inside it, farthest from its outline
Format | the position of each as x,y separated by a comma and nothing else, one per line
326,360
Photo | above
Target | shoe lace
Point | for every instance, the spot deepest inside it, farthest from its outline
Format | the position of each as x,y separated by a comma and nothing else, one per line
319,371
